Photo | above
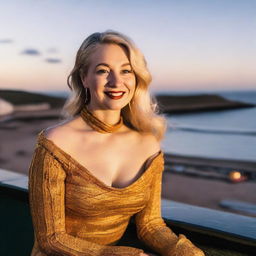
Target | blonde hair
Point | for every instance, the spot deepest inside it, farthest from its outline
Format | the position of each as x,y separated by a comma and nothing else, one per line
142,113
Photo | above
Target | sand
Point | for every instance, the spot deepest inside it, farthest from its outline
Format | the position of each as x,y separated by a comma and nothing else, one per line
18,138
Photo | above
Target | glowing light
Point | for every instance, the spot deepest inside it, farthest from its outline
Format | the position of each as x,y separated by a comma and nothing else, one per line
235,175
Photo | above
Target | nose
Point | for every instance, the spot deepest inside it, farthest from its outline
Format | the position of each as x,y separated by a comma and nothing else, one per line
114,79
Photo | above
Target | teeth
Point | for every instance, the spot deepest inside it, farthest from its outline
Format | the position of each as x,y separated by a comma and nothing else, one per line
115,93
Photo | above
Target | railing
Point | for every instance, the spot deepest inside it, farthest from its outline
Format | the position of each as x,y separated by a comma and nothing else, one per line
217,233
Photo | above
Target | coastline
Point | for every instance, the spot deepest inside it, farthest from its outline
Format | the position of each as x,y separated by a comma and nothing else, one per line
193,183
18,138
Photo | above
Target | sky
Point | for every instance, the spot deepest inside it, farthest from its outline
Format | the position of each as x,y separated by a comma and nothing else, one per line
188,44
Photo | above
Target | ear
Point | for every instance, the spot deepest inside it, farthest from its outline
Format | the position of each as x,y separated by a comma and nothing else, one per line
83,79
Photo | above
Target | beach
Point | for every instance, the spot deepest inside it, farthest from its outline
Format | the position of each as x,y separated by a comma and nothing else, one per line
18,138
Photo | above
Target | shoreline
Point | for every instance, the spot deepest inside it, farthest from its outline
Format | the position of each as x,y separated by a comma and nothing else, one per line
211,164
194,185
21,119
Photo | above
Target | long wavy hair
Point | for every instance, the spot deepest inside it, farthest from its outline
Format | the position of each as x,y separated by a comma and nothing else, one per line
142,113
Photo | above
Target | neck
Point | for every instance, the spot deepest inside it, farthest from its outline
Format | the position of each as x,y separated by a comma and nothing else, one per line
98,124
110,117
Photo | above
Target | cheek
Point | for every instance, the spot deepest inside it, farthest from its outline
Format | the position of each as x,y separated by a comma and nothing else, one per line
131,82
97,85
96,82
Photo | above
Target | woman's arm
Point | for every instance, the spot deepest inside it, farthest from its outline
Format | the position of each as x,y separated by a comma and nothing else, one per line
47,203
153,231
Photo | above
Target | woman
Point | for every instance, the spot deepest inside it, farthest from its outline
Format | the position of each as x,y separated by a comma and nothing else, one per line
88,175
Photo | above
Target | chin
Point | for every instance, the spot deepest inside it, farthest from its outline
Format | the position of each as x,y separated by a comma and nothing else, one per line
116,106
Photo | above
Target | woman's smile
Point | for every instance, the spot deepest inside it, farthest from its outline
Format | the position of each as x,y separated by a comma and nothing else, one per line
115,95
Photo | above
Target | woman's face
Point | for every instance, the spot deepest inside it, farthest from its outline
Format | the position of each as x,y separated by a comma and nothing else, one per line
109,71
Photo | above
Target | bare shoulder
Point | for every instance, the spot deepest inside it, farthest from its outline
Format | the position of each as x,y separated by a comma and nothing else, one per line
150,143
57,132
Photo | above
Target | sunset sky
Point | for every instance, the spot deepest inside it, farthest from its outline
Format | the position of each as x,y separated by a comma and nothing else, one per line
188,44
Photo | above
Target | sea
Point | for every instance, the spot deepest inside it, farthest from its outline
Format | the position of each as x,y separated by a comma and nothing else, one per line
223,134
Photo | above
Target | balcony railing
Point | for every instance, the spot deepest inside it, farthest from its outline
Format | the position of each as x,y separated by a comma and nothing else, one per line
217,233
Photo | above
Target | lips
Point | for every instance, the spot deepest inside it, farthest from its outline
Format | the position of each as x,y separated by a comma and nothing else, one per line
115,94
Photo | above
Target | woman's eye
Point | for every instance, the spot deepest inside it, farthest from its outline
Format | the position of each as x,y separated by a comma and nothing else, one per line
127,71
102,71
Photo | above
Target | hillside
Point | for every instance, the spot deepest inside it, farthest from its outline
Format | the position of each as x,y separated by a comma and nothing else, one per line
24,97
194,103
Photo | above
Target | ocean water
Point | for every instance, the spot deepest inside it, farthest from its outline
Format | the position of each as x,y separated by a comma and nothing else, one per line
228,134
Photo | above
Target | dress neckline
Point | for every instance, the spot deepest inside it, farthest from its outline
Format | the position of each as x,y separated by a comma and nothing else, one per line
54,148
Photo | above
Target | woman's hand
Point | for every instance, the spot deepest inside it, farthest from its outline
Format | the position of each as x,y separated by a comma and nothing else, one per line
185,247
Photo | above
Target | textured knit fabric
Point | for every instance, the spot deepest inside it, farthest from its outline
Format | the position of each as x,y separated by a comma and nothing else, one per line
74,213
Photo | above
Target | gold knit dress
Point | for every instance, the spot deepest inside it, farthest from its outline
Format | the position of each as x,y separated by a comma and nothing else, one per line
75,214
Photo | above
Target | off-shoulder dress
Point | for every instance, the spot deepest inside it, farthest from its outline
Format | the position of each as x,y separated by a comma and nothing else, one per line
76,214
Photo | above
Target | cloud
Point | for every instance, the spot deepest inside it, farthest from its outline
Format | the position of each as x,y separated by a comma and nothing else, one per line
31,52
6,41
53,60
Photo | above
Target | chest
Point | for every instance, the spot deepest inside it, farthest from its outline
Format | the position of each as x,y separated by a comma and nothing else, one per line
116,168
114,164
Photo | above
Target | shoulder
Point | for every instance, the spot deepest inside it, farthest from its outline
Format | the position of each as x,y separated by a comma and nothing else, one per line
57,132
149,142
54,131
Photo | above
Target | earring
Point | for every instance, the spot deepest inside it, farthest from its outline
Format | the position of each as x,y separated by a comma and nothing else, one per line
87,91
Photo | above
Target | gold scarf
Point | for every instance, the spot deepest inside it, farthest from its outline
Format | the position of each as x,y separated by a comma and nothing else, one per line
97,124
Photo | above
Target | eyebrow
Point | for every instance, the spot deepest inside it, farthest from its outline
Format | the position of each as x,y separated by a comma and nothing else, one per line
105,64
